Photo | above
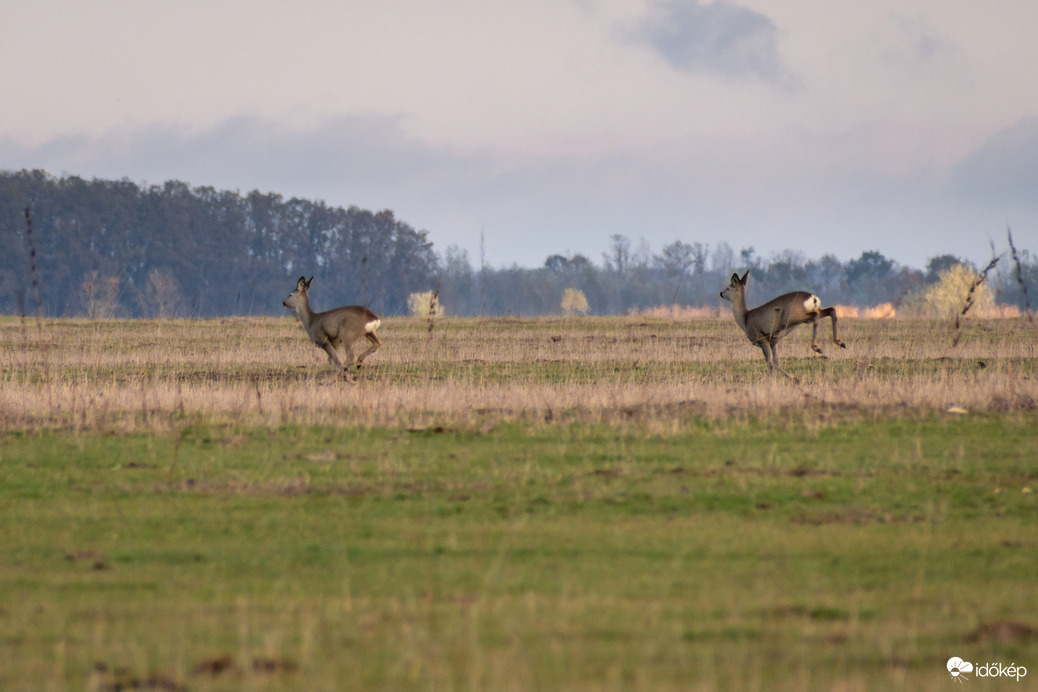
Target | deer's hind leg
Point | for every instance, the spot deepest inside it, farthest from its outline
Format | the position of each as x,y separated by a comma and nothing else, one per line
376,344
814,335
831,314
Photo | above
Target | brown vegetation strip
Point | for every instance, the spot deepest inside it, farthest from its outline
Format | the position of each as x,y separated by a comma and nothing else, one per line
166,374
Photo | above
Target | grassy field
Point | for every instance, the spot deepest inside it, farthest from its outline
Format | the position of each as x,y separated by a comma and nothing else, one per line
596,503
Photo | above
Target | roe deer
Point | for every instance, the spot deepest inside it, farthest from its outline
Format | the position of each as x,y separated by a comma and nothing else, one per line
767,324
339,326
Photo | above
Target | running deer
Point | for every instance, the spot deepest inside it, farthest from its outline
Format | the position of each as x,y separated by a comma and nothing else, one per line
767,324
338,326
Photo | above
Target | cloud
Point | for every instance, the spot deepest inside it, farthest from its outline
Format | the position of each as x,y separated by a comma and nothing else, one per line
352,157
719,38
911,43
1003,170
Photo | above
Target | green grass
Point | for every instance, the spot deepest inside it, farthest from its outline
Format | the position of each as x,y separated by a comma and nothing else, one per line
792,553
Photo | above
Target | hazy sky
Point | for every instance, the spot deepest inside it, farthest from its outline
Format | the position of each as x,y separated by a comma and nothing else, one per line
909,127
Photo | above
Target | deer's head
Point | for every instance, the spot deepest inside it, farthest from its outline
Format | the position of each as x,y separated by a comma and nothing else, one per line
298,296
736,286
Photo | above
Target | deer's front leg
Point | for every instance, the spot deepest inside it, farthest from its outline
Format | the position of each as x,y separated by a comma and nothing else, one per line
775,362
765,348
333,357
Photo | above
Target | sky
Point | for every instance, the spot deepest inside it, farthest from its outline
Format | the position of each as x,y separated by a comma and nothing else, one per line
519,130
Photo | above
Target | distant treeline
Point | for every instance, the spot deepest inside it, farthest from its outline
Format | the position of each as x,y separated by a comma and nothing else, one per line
114,248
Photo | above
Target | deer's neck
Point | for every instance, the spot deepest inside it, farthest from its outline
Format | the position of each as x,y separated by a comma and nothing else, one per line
304,313
739,309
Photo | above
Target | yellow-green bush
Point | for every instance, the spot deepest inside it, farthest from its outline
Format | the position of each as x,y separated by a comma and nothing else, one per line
574,302
948,296
425,304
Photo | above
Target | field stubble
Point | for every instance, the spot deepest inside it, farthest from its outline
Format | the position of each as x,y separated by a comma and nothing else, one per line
469,373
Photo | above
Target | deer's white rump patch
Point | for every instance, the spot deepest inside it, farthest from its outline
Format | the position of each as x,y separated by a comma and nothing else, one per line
371,326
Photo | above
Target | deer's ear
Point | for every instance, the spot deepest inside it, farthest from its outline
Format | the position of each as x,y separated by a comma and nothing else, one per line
743,279
309,282
735,279
301,284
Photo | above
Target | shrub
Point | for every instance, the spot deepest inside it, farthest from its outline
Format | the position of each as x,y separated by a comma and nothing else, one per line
947,297
574,302
425,304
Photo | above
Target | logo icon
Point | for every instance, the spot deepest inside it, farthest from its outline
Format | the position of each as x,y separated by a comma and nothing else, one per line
957,667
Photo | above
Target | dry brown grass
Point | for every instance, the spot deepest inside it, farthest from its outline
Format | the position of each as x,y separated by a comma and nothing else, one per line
471,373
885,311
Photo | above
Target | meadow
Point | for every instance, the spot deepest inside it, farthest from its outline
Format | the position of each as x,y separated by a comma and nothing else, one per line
545,503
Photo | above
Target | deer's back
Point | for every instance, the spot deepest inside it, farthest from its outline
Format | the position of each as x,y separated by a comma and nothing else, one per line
354,318
784,312
795,301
